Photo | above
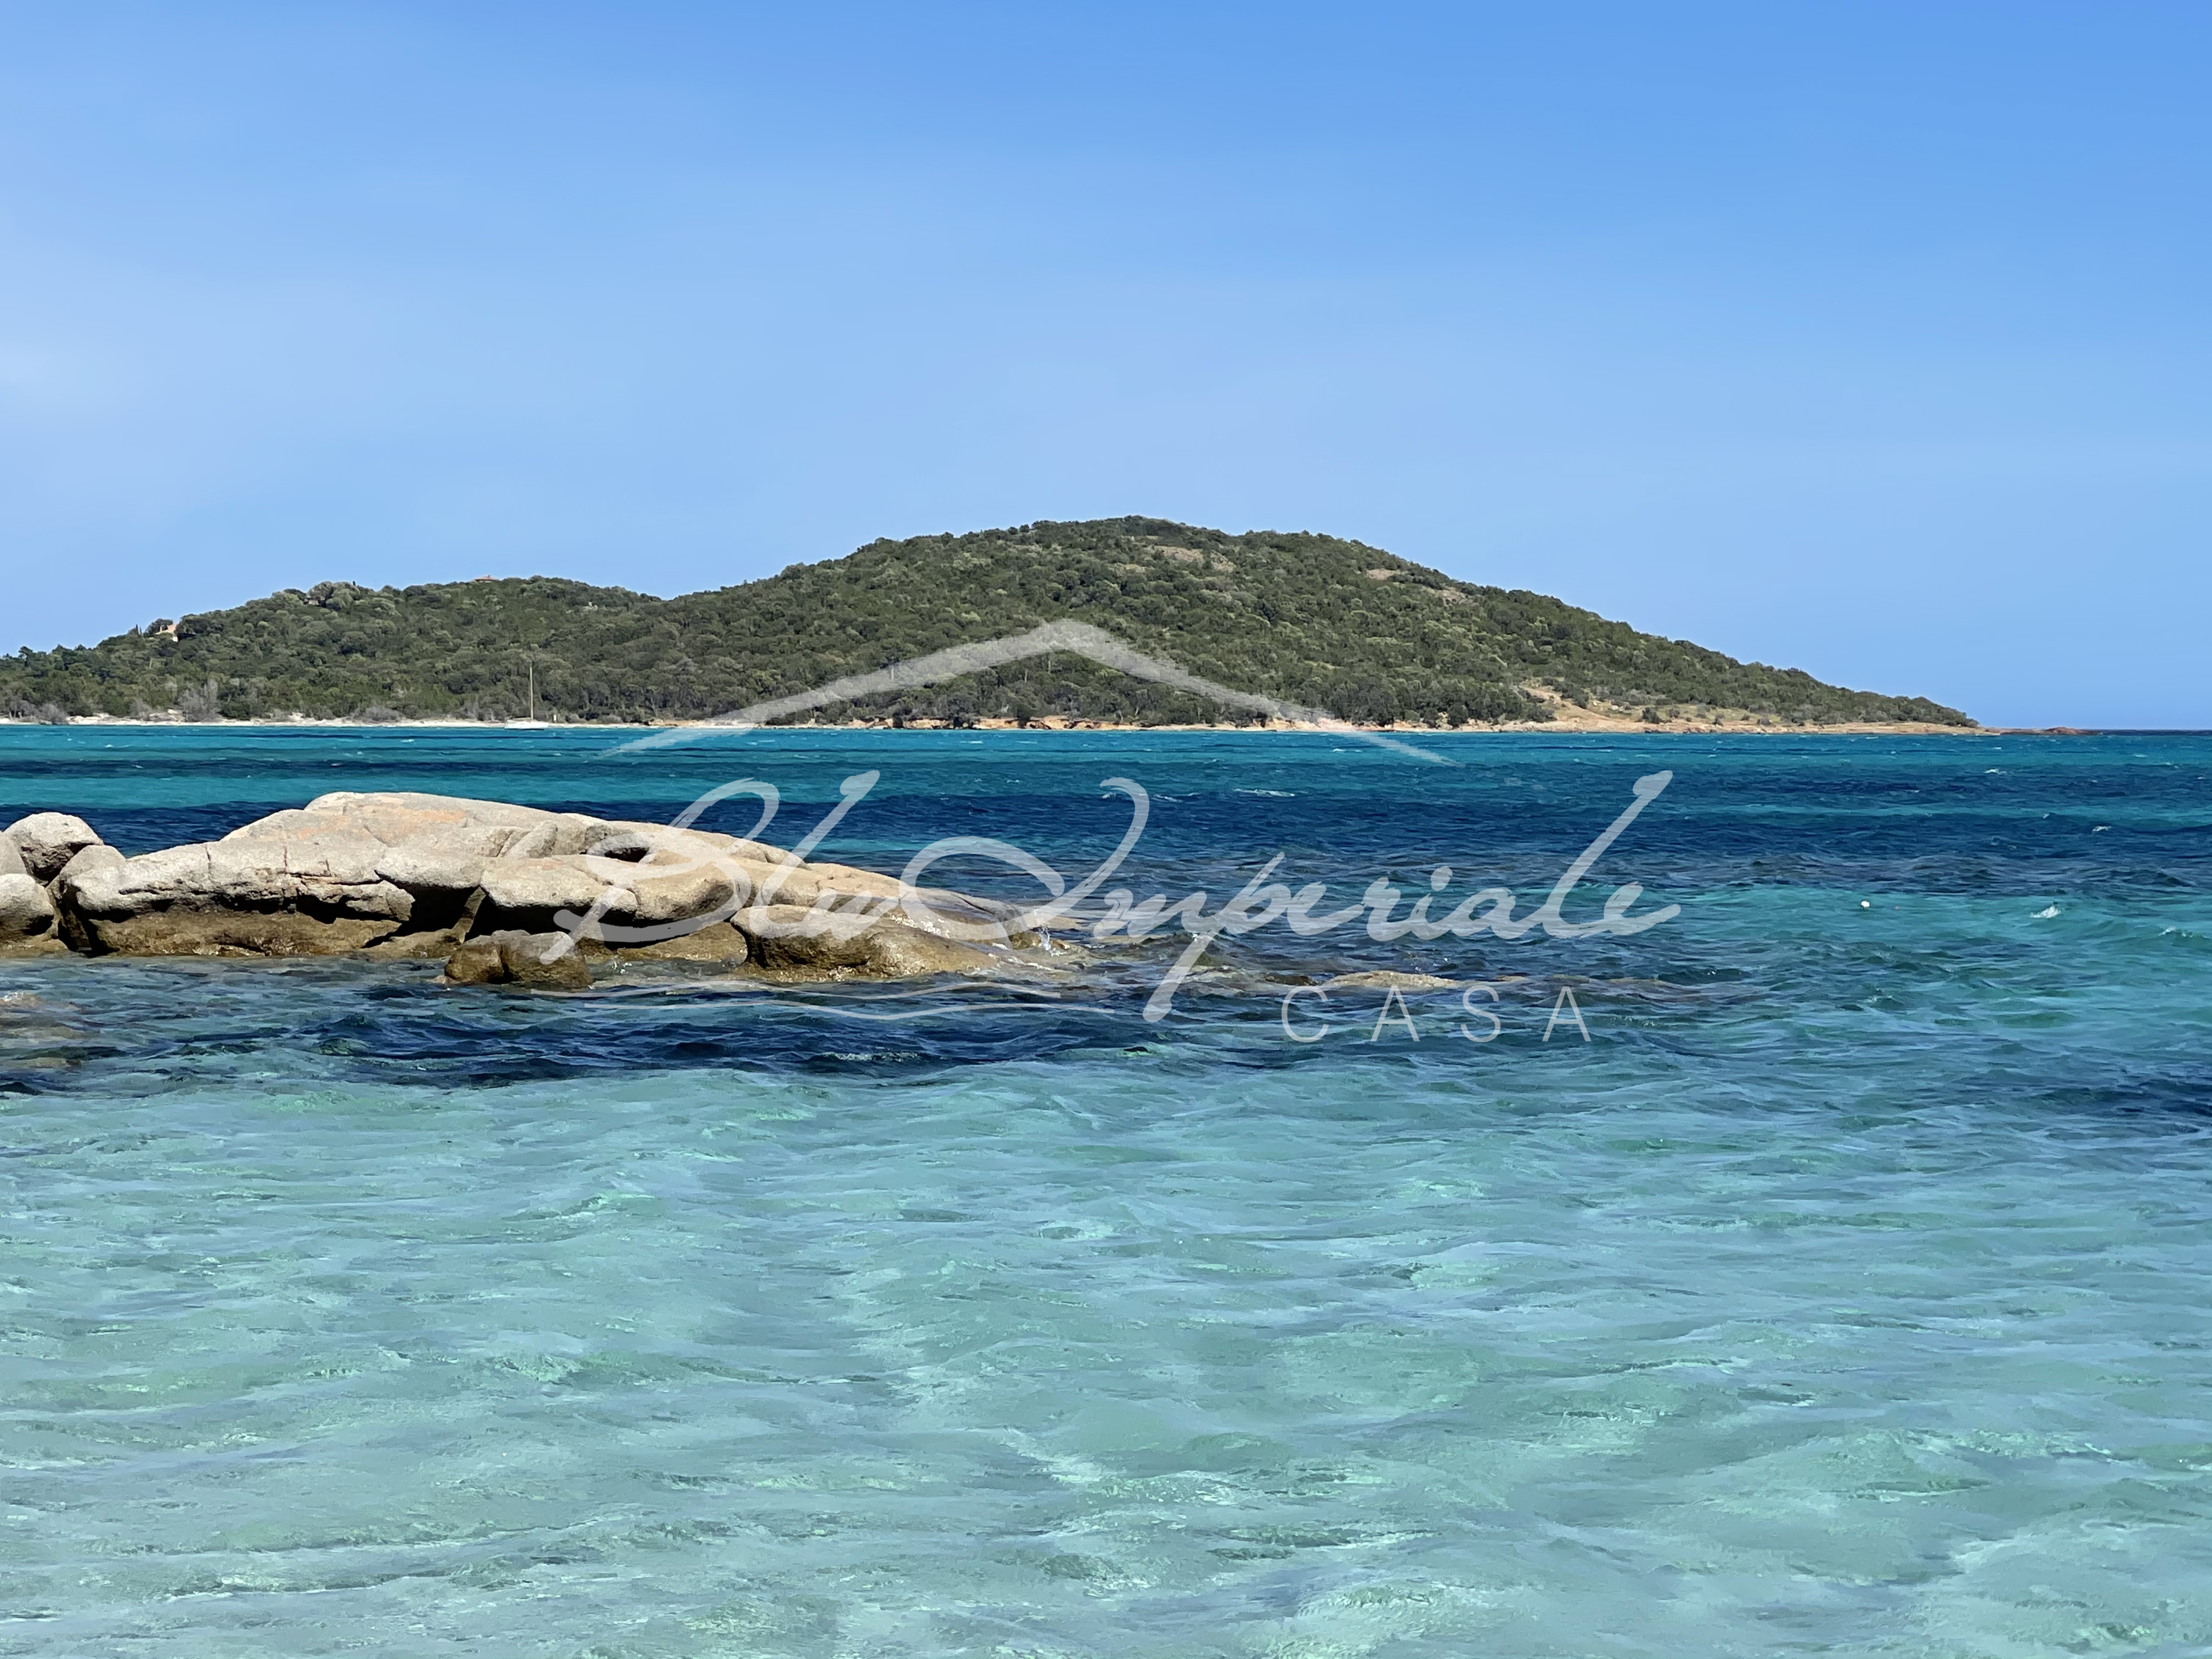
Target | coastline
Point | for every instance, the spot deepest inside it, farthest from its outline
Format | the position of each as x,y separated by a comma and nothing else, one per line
1580,722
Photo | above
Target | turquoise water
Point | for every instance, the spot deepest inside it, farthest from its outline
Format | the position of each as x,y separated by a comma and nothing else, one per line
1844,1293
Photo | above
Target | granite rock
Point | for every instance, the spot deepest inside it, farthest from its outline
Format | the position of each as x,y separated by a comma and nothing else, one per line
29,924
45,841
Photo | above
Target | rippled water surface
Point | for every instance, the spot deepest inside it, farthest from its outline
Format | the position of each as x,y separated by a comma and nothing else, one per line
1844,1292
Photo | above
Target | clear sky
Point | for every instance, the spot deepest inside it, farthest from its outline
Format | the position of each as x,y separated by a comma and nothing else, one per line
1871,339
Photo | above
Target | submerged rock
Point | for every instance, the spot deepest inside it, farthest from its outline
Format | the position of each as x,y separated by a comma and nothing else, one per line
1387,979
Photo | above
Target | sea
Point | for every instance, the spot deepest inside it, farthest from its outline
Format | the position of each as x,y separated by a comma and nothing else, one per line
1825,1268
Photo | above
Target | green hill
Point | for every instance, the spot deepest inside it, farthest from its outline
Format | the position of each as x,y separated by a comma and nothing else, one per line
1310,619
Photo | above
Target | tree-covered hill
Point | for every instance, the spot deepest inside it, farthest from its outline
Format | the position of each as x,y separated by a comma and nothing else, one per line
1310,619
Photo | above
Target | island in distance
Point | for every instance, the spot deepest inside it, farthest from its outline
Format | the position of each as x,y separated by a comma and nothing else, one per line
1311,621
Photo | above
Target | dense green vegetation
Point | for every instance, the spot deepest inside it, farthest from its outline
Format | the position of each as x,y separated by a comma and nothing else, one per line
1310,619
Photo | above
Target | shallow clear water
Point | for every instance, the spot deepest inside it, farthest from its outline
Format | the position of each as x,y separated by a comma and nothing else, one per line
1845,1292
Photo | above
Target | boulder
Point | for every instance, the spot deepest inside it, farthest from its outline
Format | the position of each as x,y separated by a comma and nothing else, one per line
313,894
442,874
444,862
564,834
658,897
538,961
88,861
407,875
439,833
201,931
63,888
401,815
662,843
330,870
476,962
29,924
718,942
546,962
398,873
532,894
848,879
933,910
791,939
526,894
47,840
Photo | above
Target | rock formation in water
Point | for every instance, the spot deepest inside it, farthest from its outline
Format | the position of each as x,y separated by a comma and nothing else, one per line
505,894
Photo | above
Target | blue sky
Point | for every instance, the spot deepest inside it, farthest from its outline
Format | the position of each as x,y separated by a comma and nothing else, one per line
1868,338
